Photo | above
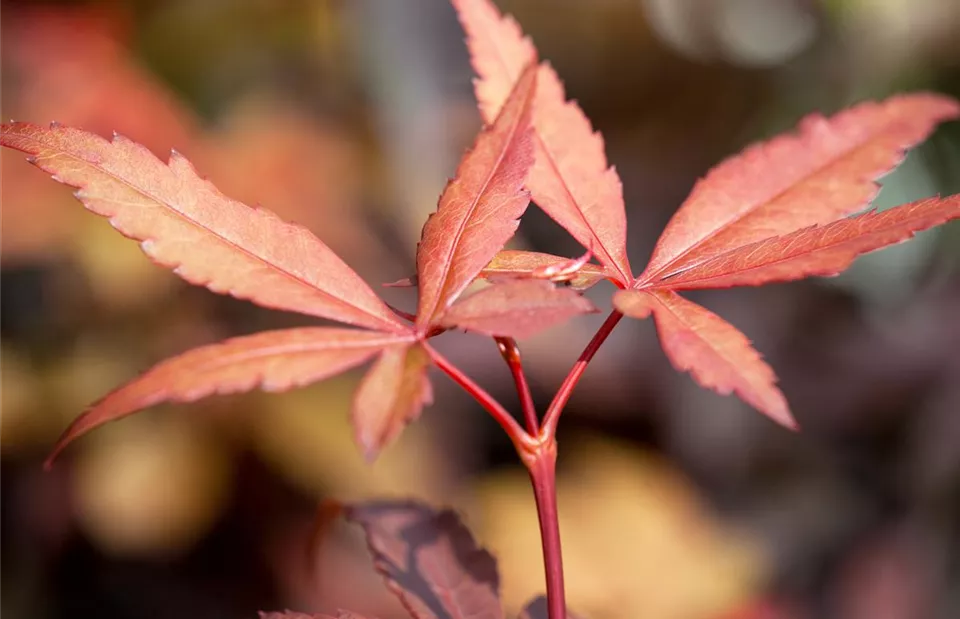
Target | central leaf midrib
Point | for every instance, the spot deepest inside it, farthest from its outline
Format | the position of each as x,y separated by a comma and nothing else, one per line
296,349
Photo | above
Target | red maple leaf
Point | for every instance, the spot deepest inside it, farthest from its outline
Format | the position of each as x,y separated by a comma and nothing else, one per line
184,223
771,213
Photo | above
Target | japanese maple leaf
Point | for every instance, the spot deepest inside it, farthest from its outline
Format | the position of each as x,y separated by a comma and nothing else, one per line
431,562
182,222
780,210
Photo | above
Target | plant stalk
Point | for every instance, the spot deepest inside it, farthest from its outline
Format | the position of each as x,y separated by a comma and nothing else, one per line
542,465
521,440
549,428
511,354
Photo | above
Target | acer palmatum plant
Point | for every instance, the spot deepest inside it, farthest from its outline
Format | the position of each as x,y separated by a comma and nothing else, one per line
781,210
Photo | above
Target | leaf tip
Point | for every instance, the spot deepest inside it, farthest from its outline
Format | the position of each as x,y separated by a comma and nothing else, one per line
65,439
48,463
786,419
370,454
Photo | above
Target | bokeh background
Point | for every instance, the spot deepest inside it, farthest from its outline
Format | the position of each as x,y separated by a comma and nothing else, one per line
347,116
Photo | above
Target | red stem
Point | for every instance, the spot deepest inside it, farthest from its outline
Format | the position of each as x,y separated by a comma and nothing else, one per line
542,464
511,354
537,449
522,441
552,416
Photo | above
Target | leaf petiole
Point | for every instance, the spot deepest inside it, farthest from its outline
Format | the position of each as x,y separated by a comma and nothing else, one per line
549,428
511,354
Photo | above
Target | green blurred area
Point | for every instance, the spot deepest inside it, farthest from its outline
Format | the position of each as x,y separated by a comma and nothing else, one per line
348,116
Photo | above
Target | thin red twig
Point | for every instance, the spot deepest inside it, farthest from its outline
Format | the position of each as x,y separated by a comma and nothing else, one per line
543,475
549,427
524,442
511,354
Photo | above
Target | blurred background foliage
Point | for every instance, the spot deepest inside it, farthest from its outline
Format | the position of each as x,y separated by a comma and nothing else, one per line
347,116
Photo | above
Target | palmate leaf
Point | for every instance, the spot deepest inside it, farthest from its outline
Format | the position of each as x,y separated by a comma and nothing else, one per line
519,309
715,352
771,214
271,360
571,179
737,219
479,209
429,560
183,222
827,170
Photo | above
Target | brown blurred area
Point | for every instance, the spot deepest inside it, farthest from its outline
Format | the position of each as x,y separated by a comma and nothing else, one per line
347,116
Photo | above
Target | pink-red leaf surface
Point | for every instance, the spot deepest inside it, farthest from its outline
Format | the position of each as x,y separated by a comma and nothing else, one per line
519,309
825,171
819,250
391,395
715,352
479,209
183,222
430,561
271,360
571,179
773,213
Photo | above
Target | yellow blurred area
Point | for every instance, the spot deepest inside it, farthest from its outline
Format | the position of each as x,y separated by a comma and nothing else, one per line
306,435
151,486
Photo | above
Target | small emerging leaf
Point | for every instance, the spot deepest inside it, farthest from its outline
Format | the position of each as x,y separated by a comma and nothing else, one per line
511,263
571,179
519,309
271,360
531,264
715,352
430,560
184,223
819,250
391,395
827,170
479,209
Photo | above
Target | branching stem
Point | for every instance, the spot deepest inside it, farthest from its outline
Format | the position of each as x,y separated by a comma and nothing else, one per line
536,446
542,466
521,440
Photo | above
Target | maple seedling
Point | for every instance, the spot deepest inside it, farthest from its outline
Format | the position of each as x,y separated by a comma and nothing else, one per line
781,210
